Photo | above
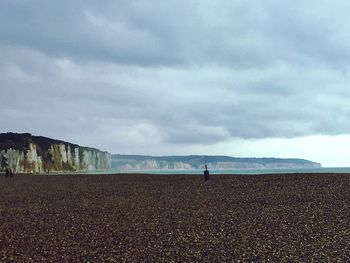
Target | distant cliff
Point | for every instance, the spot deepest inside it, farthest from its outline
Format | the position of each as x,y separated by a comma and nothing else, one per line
27,153
192,162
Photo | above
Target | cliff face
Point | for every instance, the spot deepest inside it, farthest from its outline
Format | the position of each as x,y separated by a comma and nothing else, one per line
26,153
194,162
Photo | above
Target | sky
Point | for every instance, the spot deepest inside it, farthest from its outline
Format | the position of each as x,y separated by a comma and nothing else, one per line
230,77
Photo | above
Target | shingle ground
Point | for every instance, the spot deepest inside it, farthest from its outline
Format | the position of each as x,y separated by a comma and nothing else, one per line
175,218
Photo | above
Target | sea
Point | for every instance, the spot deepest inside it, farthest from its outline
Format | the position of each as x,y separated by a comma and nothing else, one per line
236,171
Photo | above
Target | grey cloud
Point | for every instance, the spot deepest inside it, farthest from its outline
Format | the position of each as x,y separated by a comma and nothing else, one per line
155,33
75,29
128,73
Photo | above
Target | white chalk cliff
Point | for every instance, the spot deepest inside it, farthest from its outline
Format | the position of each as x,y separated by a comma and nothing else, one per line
26,153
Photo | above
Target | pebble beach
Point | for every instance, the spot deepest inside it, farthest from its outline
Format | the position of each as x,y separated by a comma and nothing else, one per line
175,218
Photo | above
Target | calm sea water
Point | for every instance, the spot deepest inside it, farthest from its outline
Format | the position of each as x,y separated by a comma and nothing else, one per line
239,171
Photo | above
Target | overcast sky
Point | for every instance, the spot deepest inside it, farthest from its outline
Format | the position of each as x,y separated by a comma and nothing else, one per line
233,77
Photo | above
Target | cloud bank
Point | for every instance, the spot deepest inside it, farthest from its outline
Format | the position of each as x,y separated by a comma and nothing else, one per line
131,76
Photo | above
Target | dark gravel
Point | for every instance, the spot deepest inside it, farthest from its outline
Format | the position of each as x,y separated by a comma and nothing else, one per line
175,218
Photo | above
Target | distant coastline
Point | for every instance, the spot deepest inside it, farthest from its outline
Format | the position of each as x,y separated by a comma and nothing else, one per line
196,162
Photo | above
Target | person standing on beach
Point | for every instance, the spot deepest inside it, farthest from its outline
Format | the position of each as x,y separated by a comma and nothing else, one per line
5,165
9,172
206,173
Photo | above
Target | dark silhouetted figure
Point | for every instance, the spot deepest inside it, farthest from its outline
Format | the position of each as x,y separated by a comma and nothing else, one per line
5,165
206,173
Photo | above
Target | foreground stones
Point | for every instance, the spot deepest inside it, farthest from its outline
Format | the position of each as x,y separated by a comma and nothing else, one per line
175,218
